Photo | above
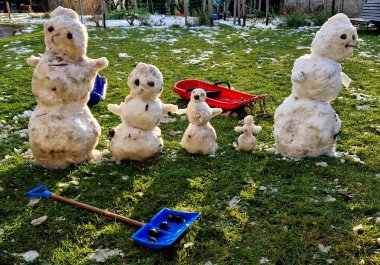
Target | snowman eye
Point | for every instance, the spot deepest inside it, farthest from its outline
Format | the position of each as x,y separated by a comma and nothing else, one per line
353,37
50,29
343,36
69,35
137,82
150,83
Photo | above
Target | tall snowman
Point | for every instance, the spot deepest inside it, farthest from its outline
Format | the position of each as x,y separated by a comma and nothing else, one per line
62,129
305,123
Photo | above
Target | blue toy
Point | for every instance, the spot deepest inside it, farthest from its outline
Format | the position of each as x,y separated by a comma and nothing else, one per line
98,93
162,230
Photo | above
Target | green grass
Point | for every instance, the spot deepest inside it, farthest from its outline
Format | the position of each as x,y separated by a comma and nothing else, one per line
285,222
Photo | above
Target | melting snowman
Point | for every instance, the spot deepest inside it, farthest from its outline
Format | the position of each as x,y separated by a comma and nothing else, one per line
305,123
200,136
138,137
62,129
246,141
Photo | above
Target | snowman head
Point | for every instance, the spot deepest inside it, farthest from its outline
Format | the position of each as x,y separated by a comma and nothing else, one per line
65,36
336,39
248,120
146,81
198,95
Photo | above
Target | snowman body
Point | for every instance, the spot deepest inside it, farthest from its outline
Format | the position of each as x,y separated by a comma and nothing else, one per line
199,137
138,137
62,129
246,141
305,123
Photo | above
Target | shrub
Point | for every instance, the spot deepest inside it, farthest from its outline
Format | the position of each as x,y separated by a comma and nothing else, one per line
116,14
296,19
143,16
319,17
202,17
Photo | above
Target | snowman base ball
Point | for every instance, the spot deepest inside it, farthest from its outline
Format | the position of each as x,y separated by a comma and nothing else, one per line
305,128
60,138
246,143
200,139
130,143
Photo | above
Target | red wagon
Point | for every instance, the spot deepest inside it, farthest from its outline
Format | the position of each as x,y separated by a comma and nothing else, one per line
218,96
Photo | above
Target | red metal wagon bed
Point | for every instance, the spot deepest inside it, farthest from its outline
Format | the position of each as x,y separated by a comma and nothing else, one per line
218,96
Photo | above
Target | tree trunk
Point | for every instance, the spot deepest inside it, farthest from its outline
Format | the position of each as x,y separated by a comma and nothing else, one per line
80,10
103,8
210,11
267,12
186,10
235,4
204,6
243,12
260,5
239,12
333,7
8,10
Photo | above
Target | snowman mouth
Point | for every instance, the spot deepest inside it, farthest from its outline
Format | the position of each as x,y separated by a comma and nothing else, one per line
350,45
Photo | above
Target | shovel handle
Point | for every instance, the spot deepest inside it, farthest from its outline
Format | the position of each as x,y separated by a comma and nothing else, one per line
97,210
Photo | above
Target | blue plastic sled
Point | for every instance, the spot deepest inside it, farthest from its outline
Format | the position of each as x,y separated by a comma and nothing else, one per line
162,230
98,93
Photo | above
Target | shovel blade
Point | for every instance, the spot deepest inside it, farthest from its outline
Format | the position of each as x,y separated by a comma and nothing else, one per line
168,236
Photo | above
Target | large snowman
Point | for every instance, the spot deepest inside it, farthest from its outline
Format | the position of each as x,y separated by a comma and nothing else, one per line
62,129
305,123
138,137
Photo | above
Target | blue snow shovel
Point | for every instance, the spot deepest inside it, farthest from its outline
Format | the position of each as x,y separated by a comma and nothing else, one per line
162,230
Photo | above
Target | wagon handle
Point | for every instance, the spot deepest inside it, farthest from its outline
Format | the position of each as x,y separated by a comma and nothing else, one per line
223,82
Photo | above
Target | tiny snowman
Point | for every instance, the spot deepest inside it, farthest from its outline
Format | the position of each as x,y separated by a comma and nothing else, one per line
246,141
138,137
200,136
305,123
62,129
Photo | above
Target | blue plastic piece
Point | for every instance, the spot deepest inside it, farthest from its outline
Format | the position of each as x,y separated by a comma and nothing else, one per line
168,236
215,16
39,192
98,93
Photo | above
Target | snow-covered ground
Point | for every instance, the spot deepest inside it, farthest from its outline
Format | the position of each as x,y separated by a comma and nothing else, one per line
155,21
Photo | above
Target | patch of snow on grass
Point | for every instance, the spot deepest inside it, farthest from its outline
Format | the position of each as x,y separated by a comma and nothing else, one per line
101,255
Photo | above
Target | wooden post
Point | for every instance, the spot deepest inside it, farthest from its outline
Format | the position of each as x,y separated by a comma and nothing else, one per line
244,11
260,5
102,6
239,11
210,11
235,4
204,6
186,10
80,10
267,12
332,7
9,10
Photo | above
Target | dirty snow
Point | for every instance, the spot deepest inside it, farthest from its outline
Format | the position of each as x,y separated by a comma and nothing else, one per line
321,164
324,249
38,221
101,255
28,256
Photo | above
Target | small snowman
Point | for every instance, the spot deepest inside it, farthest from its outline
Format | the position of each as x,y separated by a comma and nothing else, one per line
62,130
246,141
138,137
305,123
200,136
